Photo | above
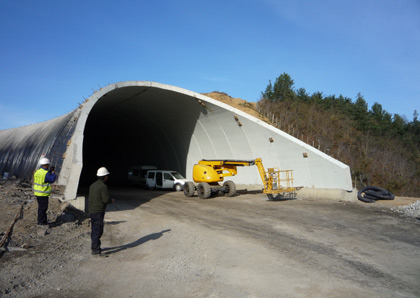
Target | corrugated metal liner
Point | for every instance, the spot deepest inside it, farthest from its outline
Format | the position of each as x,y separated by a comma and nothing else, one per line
21,148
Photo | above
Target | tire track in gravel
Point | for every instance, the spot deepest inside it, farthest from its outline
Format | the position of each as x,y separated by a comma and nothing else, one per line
261,225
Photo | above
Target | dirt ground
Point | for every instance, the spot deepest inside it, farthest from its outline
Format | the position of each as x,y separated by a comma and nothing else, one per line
163,244
238,103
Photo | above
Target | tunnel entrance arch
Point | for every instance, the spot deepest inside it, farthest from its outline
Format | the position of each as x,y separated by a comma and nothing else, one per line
138,126
138,122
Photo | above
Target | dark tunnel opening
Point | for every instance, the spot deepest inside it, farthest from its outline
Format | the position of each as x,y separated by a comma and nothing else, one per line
136,126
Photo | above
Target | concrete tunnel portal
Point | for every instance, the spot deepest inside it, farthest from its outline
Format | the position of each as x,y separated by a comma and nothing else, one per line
138,126
146,123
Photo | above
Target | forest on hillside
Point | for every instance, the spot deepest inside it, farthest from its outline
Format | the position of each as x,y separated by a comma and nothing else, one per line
382,149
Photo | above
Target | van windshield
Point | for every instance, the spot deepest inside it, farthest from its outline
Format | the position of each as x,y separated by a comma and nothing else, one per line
177,175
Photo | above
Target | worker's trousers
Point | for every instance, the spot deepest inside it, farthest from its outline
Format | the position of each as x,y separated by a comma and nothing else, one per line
97,223
42,210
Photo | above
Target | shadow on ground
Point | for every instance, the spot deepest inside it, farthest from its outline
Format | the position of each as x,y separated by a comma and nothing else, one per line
140,241
127,198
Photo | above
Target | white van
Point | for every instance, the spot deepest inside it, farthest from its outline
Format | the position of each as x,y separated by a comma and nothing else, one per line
137,174
165,179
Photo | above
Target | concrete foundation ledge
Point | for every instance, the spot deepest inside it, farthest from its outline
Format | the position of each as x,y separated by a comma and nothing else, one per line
78,203
311,193
331,194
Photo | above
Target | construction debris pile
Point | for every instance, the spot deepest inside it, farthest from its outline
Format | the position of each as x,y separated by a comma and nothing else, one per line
31,254
412,210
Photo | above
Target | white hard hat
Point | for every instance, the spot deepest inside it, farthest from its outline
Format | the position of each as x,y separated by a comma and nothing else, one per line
102,172
44,161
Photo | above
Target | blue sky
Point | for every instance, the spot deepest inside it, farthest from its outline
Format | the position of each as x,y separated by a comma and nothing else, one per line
54,54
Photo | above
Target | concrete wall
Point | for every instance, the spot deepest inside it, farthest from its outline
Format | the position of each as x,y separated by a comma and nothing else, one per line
136,122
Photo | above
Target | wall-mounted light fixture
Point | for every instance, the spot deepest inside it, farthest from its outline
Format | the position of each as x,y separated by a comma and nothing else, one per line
236,118
271,140
305,155
239,123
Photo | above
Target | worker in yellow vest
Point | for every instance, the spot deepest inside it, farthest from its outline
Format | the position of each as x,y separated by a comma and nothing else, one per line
43,178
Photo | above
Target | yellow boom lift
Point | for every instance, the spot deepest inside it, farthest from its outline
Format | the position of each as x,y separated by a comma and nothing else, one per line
208,174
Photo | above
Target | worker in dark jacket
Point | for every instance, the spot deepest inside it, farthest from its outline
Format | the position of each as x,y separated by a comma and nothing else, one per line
98,199
43,178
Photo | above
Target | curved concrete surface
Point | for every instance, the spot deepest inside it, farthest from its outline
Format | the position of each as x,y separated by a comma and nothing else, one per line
148,123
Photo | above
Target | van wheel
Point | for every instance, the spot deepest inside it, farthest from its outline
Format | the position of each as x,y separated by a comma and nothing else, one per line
189,189
203,190
178,187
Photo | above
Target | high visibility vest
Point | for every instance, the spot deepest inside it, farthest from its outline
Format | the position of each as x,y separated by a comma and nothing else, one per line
41,189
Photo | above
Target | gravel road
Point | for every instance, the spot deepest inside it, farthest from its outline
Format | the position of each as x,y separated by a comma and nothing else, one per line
162,244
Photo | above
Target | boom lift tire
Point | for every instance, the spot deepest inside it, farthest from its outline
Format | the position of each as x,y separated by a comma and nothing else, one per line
189,189
203,190
230,188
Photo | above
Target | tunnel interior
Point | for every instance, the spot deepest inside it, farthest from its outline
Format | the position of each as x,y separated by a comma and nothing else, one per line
138,125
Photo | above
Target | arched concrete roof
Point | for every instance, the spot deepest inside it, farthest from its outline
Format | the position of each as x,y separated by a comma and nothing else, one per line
148,123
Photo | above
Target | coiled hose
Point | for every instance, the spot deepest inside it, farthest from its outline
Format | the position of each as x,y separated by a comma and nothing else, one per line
369,194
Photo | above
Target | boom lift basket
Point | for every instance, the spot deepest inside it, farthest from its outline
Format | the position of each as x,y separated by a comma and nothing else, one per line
279,182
